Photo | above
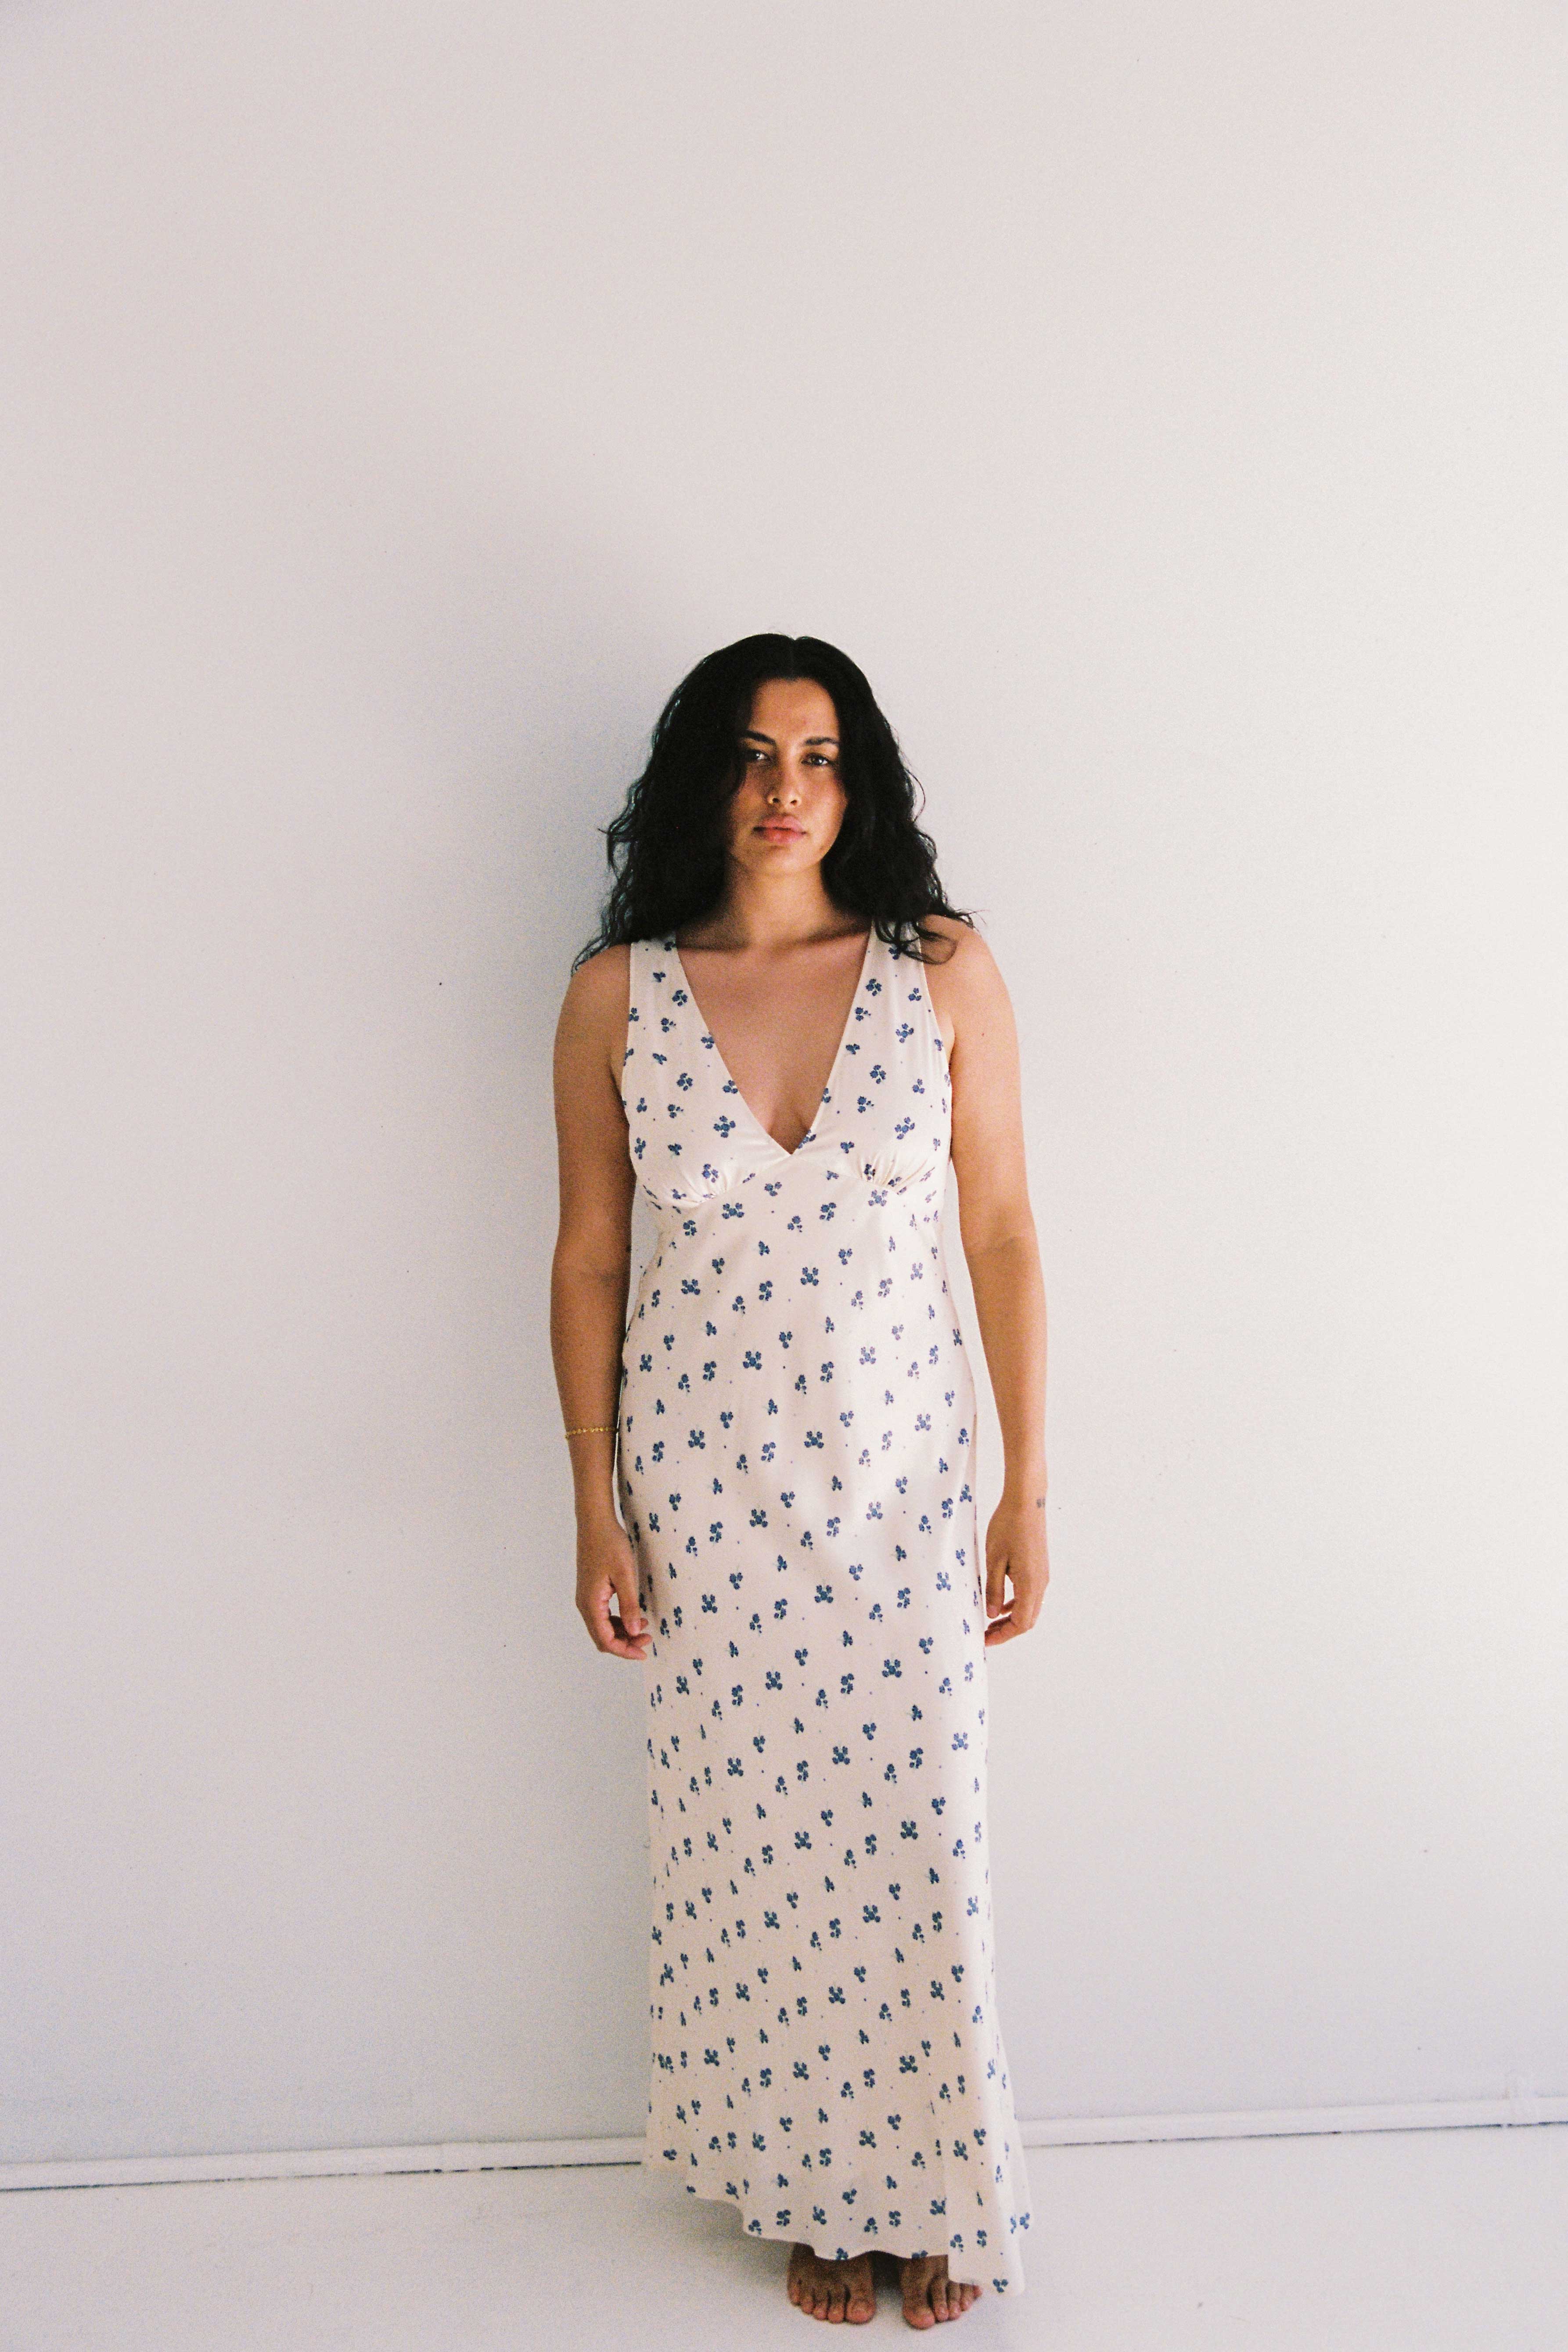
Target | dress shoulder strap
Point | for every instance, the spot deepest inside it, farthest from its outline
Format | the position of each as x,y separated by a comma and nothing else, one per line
635,1056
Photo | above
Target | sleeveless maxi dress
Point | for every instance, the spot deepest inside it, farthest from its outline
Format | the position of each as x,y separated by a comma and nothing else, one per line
796,1448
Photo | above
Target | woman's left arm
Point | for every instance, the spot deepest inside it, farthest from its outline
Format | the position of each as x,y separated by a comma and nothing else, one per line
996,1225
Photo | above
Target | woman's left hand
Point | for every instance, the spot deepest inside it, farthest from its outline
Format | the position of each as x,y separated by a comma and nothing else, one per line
1016,1556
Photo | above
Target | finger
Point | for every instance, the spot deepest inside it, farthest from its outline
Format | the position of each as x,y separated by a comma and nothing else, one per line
621,1645
624,1577
1028,1600
626,1639
607,1631
594,1611
630,1635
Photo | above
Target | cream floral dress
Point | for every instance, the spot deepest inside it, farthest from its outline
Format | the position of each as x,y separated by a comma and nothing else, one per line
796,1475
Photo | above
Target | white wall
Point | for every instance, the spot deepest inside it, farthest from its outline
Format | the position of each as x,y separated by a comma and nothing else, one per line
1162,403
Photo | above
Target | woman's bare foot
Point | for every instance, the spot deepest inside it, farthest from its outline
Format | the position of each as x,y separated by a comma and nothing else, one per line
929,2294
831,2290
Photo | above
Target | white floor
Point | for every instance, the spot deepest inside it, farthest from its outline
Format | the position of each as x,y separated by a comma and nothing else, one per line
1385,2242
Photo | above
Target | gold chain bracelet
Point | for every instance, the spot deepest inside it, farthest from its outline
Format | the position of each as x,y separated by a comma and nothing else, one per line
590,1428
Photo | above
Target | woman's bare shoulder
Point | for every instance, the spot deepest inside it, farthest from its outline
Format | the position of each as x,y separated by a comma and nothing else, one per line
963,970
963,977
594,1010
602,976
963,941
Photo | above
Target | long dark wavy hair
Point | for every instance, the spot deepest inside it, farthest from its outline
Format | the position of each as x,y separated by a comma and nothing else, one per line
666,848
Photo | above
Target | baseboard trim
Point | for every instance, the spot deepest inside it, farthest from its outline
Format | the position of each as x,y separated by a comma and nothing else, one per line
516,2154
321,2163
1293,2122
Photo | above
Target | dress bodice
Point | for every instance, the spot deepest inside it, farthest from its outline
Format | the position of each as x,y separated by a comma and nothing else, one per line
885,1118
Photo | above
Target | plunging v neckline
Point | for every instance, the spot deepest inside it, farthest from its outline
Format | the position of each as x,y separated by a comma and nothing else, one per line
707,1030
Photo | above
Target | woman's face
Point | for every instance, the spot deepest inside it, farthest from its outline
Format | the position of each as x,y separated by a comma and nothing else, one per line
786,810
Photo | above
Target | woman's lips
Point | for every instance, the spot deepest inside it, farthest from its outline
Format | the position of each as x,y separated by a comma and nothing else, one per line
783,832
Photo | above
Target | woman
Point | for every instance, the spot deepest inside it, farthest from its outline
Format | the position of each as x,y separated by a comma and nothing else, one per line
783,1035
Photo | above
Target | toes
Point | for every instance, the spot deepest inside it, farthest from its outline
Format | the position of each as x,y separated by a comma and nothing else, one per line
917,2309
930,2296
830,2291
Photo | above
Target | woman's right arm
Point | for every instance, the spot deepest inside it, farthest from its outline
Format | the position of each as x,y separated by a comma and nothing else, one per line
589,1281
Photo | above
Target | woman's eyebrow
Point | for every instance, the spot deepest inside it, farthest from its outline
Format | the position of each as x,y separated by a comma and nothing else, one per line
754,735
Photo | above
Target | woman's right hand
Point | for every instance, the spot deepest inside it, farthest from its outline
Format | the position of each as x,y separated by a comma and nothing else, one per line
606,1568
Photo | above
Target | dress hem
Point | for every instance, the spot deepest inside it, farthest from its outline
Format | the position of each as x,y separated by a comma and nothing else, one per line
755,2225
